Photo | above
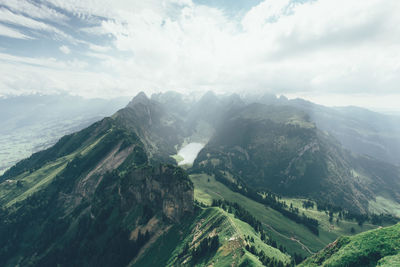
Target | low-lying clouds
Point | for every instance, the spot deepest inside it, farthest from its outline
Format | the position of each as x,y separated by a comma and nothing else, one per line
108,48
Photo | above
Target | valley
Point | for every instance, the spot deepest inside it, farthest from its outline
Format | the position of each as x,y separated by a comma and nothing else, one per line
198,133
162,184
295,237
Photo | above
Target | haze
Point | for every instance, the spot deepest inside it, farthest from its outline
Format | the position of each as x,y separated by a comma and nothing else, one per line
334,52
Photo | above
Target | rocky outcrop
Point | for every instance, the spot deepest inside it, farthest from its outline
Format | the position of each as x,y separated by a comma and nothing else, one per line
165,188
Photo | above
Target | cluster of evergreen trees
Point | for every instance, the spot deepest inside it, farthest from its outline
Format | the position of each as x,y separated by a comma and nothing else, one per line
271,200
242,214
265,260
239,212
308,204
311,224
207,246
359,218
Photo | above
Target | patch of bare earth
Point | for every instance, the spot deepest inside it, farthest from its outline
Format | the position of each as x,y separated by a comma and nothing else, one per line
87,186
110,162
155,228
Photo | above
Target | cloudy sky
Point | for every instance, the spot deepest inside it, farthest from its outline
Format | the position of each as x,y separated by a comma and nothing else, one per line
335,52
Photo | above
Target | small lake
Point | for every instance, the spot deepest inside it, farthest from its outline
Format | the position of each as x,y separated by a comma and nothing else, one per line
189,153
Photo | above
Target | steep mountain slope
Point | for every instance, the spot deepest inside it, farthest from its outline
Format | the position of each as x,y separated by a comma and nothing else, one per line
191,243
160,129
380,246
107,196
359,130
87,213
279,149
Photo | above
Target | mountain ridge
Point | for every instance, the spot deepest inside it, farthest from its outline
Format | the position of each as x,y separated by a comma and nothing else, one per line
113,193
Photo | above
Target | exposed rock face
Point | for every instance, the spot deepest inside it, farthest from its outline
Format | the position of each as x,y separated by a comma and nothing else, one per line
166,188
87,185
178,202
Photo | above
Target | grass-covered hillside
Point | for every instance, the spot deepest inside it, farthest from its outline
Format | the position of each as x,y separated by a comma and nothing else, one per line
294,237
376,247
212,237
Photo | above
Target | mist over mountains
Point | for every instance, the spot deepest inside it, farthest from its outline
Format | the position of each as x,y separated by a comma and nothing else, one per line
276,180
255,133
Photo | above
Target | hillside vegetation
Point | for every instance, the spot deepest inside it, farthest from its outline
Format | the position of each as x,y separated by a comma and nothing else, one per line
365,249
189,244
296,238
278,149
268,189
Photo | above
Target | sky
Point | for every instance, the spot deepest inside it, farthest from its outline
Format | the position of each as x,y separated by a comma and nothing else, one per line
333,52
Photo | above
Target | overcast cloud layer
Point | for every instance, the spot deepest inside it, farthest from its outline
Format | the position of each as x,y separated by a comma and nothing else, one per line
335,52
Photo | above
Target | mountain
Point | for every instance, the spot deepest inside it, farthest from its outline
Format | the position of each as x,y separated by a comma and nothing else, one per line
101,190
378,247
276,148
358,129
32,123
268,188
107,195
212,237
167,121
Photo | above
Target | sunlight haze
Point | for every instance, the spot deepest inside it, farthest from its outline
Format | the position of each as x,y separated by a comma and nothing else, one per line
312,49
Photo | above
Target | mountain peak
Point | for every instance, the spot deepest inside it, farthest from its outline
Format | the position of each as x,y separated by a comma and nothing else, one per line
140,98
208,98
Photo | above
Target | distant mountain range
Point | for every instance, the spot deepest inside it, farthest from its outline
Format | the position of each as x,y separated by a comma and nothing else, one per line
113,195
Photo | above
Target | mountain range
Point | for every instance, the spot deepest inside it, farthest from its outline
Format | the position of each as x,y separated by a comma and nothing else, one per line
277,180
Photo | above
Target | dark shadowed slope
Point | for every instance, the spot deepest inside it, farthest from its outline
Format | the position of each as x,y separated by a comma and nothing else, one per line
279,149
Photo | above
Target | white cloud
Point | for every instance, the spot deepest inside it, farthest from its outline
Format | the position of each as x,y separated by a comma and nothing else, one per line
9,32
99,48
265,12
281,46
49,75
18,20
65,49
94,30
34,10
43,62
106,8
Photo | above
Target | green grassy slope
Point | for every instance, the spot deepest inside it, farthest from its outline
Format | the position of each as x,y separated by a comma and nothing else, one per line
28,182
175,247
334,227
389,261
295,237
364,249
